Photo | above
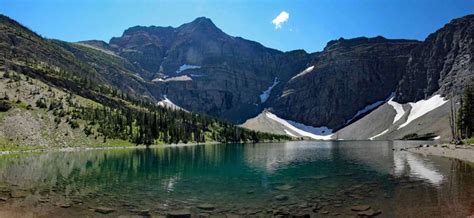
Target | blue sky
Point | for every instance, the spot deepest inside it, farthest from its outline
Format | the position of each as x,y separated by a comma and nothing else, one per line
310,24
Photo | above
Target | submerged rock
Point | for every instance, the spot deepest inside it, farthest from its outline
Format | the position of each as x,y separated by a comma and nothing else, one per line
206,207
104,210
301,216
179,214
360,208
64,205
281,198
284,187
369,213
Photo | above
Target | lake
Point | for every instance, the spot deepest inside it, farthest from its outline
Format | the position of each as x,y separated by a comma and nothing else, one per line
297,178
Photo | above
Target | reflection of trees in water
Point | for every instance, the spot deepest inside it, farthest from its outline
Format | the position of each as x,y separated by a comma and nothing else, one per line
89,171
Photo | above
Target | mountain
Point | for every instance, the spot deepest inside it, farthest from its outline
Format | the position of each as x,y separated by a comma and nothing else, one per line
202,69
343,79
442,64
199,68
61,94
374,88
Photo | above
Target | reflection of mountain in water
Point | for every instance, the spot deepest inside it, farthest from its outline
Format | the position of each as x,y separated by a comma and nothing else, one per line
272,157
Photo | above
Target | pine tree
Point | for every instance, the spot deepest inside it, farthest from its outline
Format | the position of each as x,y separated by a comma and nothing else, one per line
466,112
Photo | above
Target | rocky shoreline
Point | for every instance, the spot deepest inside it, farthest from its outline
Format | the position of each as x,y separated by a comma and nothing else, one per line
351,201
461,152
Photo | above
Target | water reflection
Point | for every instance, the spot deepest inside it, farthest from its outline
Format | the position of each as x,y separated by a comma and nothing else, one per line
237,175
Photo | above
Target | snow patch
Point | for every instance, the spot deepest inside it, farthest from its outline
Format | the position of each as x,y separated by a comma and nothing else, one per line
398,108
307,70
375,136
321,133
197,75
158,80
266,94
166,103
422,107
175,78
187,67
289,133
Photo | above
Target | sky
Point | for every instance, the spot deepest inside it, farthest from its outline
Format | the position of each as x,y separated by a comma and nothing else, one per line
283,25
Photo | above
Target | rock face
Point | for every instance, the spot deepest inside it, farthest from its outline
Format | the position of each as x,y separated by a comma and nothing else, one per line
443,63
225,74
343,79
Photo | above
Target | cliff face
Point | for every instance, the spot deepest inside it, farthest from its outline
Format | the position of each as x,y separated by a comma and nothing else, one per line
442,64
343,79
205,70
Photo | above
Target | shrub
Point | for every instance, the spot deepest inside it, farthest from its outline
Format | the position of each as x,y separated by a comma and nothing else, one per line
41,103
73,124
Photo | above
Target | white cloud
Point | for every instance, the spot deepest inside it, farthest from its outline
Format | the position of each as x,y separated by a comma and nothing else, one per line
280,19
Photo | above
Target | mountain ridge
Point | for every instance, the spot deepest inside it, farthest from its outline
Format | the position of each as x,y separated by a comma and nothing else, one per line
202,69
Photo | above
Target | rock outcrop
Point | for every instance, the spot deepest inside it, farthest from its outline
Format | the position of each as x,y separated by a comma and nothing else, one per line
443,63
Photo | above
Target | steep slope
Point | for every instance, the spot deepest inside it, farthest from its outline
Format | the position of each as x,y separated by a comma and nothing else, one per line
225,75
442,64
56,93
425,118
344,79
22,48
269,122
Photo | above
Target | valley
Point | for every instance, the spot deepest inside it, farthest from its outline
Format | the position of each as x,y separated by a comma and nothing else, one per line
153,109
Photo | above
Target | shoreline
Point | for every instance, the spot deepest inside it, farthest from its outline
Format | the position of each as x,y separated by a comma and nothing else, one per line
90,148
460,152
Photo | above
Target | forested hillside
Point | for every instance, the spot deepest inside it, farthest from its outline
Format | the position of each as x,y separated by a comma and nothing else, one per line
53,89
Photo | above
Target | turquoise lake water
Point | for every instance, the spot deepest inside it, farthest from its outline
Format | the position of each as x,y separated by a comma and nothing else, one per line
247,179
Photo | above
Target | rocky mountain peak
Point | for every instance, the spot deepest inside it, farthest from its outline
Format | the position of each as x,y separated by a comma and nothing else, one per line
200,26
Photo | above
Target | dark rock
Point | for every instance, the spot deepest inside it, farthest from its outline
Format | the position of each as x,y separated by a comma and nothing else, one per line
179,214
5,105
301,216
206,207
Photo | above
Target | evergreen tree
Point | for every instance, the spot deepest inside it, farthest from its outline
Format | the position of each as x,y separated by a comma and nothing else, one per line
466,112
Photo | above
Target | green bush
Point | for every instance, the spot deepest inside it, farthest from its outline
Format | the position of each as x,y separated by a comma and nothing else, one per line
41,103
73,124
